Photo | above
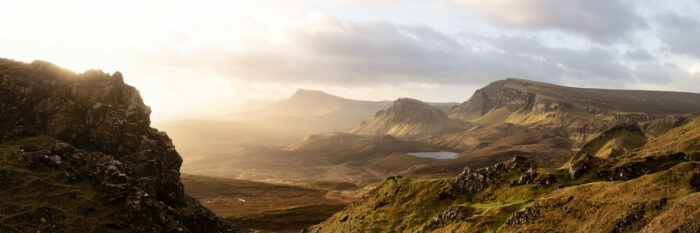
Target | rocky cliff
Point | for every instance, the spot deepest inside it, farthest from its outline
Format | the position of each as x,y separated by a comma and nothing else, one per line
406,117
132,166
581,113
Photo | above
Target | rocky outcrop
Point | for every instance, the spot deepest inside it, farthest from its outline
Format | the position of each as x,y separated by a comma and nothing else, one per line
131,163
472,181
577,168
531,213
629,219
452,214
638,167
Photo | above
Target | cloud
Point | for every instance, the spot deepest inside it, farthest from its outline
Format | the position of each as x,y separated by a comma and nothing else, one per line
591,64
680,34
639,55
330,52
601,21
665,77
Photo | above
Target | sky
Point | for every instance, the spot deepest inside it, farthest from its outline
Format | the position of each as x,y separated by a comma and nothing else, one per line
207,57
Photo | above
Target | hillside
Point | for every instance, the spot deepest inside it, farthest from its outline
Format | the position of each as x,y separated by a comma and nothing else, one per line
405,118
580,113
612,142
683,139
78,154
656,193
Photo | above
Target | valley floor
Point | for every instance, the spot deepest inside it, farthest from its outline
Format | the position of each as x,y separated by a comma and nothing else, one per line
265,207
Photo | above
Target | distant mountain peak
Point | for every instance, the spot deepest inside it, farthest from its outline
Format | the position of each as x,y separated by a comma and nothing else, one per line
406,117
307,92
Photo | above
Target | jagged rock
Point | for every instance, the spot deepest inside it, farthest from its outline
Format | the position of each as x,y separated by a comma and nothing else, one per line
531,213
524,216
522,164
576,169
452,214
105,138
470,181
525,178
545,180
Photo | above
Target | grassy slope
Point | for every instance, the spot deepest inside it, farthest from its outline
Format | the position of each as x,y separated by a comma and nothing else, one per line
685,138
603,145
598,206
29,197
398,204
405,205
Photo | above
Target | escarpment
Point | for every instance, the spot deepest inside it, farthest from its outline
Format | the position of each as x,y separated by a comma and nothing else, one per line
98,129
580,113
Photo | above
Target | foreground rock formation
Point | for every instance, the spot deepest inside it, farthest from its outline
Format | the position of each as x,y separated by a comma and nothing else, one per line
91,131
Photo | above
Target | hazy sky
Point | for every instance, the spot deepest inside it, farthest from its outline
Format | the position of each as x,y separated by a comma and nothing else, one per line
192,58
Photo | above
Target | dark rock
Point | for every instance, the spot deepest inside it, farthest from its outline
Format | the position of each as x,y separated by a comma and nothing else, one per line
30,147
470,181
661,203
452,214
62,148
623,224
524,216
577,168
695,182
522,164
545,180
639,167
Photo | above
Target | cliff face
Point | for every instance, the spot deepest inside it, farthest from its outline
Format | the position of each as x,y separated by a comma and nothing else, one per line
500,94
99,113
579,112
406,117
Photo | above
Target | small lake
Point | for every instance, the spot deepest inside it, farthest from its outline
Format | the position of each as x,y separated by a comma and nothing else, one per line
435,154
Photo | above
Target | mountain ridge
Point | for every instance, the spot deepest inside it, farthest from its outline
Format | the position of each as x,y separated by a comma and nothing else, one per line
579,112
